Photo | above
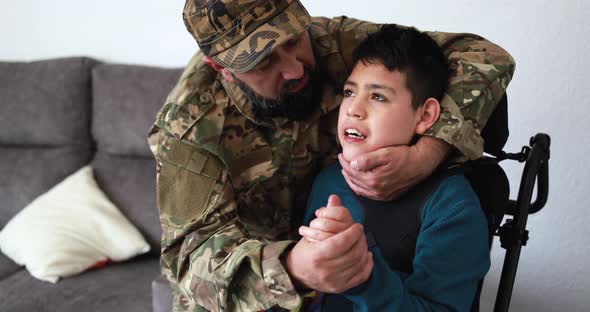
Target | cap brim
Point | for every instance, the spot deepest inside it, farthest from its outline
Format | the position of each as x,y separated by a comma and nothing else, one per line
243,56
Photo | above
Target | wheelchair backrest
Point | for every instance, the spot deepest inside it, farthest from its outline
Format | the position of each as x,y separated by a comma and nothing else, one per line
495,132
490,183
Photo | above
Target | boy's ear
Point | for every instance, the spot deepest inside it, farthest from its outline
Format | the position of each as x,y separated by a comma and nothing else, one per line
224,71
428,115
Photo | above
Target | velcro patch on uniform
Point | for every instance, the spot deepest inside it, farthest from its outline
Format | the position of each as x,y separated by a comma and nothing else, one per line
191,158
186,181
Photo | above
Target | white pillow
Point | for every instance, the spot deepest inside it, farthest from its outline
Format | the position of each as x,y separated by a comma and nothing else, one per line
69,229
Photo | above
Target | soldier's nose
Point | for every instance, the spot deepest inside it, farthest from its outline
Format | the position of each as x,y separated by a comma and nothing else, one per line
291,68
292,71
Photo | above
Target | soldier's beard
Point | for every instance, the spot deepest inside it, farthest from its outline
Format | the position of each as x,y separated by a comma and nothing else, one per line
293,106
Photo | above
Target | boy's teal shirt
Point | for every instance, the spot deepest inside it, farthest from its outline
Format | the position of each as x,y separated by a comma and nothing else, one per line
452,253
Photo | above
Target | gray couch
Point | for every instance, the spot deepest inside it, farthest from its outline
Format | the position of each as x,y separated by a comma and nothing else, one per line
57,116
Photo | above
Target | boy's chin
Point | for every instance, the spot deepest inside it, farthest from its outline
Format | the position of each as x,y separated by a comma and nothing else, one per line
350,154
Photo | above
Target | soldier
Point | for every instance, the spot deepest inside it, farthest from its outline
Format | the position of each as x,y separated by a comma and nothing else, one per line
250,123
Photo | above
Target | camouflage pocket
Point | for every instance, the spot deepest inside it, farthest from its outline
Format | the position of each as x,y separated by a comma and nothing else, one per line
186,181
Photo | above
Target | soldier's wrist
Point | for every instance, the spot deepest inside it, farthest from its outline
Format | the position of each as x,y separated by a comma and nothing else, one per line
288,264
431,152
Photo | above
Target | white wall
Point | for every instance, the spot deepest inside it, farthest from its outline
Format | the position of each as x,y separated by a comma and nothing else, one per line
549,93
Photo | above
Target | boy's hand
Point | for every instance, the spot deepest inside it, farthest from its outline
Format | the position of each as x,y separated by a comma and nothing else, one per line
330,220
333,255
333,265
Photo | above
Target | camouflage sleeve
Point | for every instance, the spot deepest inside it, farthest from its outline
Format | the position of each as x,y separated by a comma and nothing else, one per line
481,73
206,253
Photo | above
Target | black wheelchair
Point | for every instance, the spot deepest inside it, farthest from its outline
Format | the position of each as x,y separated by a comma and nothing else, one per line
491,184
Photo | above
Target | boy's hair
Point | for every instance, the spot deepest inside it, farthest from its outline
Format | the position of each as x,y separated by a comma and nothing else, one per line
411,52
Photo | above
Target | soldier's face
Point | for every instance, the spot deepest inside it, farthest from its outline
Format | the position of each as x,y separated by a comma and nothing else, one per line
283,71
282,85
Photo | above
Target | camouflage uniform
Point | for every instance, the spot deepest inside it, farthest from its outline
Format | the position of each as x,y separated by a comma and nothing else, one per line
232,188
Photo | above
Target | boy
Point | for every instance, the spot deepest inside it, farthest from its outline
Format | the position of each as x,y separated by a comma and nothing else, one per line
429,251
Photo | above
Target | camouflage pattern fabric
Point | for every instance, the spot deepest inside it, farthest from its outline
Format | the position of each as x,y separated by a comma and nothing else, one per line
232,189
482,73
239,34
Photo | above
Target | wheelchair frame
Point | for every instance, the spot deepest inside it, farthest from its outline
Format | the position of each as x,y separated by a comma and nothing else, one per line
513,233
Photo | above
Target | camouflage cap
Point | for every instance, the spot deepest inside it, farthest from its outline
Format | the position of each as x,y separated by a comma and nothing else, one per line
240,33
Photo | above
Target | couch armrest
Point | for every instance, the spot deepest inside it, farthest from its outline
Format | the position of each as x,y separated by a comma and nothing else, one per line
161,294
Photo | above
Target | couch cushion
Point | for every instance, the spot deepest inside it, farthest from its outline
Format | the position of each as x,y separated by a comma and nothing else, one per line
126,99
116,287
130,183
28,172
70,229
45,102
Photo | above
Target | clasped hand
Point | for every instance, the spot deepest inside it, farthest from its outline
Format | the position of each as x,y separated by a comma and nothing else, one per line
333,255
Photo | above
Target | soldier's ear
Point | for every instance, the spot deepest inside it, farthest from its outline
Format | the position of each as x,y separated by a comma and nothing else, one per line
224,72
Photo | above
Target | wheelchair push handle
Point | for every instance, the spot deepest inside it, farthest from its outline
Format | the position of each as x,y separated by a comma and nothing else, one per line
536,168
541,144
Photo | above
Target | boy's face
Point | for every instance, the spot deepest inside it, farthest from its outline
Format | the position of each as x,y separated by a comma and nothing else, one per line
376,110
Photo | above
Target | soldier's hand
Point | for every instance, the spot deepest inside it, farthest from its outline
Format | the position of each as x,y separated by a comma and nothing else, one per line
390,171
333,265
330,220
